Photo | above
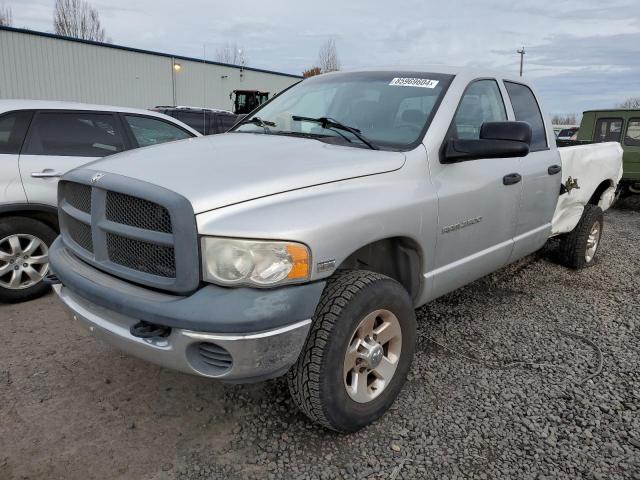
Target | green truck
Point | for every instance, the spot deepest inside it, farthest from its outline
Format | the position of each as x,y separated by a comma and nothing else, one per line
617,125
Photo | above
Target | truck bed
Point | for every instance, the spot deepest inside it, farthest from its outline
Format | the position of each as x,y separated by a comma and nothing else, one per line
590,165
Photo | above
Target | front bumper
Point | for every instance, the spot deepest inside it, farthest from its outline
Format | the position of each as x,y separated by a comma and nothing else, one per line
252,357
234,334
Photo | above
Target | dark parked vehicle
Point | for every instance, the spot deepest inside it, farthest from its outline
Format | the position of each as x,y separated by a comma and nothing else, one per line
568,133
207,121
246,101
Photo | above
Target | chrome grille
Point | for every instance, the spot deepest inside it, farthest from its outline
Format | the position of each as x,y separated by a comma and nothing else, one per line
142,256
125,227
137,212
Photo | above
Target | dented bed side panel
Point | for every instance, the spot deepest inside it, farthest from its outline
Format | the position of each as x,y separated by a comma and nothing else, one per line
584,169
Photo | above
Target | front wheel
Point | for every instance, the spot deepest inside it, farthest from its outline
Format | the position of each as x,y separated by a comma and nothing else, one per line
358,351
24,258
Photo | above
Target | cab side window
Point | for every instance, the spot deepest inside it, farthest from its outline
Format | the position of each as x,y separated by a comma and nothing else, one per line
13,128
632,137
481,102
150,131
77,134
526,108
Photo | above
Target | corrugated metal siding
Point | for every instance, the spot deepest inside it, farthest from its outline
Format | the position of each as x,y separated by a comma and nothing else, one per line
39,67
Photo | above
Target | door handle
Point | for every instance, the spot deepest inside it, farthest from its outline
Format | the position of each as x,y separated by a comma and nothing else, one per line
553,169
511,179
46,173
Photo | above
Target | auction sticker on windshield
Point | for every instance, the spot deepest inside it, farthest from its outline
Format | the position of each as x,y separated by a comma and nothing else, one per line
414,82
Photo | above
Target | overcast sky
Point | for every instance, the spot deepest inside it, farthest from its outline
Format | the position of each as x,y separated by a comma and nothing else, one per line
581,54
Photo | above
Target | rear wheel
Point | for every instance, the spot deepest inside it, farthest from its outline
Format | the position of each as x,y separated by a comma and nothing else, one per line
358,352
579,247
24,258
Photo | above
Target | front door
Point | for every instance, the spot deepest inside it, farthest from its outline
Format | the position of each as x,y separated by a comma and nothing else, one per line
477,199
59,141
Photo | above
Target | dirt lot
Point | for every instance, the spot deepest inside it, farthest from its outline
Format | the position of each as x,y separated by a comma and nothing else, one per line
505,384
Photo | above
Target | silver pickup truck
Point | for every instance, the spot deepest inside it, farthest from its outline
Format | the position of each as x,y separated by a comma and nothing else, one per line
301,242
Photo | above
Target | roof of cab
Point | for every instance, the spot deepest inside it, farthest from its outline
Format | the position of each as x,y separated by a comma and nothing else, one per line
612,110
466,72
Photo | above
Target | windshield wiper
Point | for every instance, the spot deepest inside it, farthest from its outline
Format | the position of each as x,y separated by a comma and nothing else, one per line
326,122
265,124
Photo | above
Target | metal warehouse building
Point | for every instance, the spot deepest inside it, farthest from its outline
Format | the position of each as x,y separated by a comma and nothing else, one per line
44,66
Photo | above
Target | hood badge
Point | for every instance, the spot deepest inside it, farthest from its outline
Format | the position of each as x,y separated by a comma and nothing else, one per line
97,177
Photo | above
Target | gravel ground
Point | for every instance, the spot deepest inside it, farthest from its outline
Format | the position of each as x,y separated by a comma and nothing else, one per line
532,372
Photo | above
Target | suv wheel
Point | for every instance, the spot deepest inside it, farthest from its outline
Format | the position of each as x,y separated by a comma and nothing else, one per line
578,248
358,351
24,258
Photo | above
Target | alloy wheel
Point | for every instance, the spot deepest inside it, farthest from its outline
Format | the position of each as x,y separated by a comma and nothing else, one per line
24,261
372,356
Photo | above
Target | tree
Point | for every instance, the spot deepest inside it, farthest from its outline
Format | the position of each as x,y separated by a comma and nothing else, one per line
631,102
311,72
231,54
566,119
78,19
328,57
6,16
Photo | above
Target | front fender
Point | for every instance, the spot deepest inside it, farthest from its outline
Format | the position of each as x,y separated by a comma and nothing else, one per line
335,219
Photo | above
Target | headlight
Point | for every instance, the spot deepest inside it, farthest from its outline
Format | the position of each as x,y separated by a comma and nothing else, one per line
229,261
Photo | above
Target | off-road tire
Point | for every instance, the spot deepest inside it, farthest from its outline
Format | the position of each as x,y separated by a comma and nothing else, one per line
316,380
573,245
24,225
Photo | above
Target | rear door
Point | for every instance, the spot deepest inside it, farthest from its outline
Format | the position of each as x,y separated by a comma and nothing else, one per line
59,141
13,128
541,175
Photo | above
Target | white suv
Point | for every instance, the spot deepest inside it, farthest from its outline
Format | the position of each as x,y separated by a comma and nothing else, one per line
39,142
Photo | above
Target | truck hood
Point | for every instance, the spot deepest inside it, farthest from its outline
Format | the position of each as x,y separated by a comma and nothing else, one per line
220,170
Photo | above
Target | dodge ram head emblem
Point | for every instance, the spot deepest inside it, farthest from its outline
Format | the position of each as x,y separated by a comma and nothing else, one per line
97,177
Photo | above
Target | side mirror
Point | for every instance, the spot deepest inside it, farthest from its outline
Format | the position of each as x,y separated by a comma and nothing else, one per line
497,140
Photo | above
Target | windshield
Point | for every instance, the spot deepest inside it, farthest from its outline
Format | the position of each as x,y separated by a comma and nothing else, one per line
390,110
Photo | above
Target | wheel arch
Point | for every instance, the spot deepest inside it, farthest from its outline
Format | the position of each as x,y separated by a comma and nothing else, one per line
400,258
43,213
597,194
